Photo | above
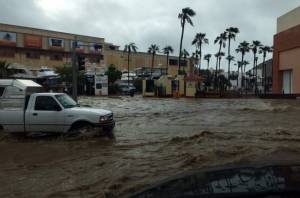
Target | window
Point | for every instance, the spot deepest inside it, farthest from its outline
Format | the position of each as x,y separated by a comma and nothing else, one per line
66,101
45,103
173,62
57,57
149,85
98,86
1,91
33,55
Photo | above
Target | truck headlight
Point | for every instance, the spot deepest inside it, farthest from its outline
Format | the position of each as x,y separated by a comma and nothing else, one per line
103,118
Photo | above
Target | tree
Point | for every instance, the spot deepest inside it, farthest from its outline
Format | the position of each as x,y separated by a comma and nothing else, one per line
219,56
230,59
4,69
254,48
231,32
245,63
66,75
243,48
167,51
265,50
185,17
207,58
195,60
153,49
198,41
129,48
221,40
113,74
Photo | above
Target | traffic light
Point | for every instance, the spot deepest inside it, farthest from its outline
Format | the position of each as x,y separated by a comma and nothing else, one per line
81,63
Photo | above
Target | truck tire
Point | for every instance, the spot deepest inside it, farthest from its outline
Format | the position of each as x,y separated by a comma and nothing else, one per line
80,129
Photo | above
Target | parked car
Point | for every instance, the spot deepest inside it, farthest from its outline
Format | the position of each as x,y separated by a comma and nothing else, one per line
46,112
125,89
45,72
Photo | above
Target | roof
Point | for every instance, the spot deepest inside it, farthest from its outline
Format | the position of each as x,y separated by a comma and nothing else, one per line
21,84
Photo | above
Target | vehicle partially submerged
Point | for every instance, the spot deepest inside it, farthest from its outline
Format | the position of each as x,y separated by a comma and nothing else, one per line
24,108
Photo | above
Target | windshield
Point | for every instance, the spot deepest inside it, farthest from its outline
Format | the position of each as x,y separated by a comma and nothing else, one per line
66,101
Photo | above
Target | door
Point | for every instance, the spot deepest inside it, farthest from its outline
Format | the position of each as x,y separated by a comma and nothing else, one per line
46,115
287,82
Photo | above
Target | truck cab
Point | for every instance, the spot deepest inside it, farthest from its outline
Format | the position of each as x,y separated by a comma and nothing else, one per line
48,113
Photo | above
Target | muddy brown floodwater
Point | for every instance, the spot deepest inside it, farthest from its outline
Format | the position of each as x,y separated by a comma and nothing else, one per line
155,139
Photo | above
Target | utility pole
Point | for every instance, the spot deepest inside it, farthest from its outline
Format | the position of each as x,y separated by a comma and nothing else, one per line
74,70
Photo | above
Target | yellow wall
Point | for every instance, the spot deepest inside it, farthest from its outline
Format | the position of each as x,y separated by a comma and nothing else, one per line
290,60
289,20
139,60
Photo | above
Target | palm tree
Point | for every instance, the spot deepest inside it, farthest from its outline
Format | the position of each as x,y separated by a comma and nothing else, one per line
185,54
185,17
265,50
221,40
167,51
229,58
207,58
131,47
254,47
231,32
245,63
4,69
153,49
243,48
195,60
200,39
219,56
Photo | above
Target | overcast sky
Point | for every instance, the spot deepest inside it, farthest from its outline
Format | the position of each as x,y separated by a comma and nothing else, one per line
148,22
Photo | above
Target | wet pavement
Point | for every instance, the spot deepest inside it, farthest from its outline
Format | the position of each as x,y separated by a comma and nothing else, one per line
155,139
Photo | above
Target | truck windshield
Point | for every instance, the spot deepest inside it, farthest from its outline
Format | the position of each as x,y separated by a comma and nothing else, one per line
66,101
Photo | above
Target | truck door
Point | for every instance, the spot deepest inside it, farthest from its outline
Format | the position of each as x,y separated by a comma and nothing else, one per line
46,115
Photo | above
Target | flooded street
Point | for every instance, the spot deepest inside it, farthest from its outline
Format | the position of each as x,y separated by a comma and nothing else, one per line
155,139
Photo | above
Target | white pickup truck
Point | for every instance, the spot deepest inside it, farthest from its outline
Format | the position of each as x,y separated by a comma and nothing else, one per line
47,112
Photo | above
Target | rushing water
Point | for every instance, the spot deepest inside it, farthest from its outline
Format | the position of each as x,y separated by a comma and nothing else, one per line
155,139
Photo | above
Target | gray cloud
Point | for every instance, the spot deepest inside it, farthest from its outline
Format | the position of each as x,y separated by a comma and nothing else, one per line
150,21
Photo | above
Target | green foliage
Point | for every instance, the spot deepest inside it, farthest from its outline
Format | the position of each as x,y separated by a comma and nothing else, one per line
113,74
66,74
4,69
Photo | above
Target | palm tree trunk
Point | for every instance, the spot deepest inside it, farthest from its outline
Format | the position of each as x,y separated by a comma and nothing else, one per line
216,73
152,64
167,63
180,48
200,54
265,75
255,74
229,43
128,68
242,72
237,81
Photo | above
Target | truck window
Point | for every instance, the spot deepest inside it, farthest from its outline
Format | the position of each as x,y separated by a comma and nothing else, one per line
45,103
1,91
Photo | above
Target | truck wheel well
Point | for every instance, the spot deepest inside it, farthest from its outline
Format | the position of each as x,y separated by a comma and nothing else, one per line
1,127
79,123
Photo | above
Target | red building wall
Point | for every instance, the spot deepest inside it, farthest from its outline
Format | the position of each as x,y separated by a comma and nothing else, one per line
283,41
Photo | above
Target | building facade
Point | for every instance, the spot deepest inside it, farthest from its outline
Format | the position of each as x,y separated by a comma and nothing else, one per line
36,48
286,55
